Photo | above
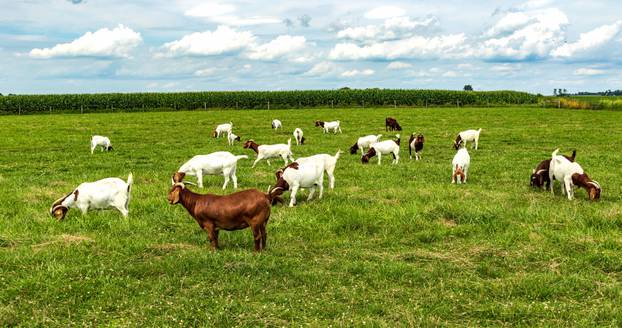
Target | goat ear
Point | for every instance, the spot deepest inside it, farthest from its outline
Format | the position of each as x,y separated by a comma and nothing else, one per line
75,195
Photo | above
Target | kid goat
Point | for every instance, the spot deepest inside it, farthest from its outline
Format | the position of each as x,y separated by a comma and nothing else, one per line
276,124
222,129
364,142
540,175
101,194
329,126
571,174
467,135
298,135
390,124
460,166
416,143
248,208
328,161
231,138
219,163
383,148
101,141
295,176
270,151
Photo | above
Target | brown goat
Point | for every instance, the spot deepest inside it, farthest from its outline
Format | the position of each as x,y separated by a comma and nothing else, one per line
391,124
248,208
540,175
415,142
592,187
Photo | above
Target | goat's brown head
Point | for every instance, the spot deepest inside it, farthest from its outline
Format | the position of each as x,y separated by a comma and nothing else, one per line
302,140
178,177
419,139
319,123
370,153
354,148
250,143
457,142
237,138
58,210
458,174
537,178
174,194
214,134
592,187
109,148
397,141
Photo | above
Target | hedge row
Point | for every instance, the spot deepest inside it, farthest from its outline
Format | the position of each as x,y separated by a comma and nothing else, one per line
259,99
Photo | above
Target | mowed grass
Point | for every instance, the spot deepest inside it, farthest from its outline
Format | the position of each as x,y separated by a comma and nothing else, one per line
391,245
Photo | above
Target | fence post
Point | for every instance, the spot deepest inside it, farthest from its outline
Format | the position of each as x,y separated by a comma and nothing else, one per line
236,105
268,104
426,104
458,103
332,103
50,109
205,105
363,103
81,109
559,103
19,110
394,103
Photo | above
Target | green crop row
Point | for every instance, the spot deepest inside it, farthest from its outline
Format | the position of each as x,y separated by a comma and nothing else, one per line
14,104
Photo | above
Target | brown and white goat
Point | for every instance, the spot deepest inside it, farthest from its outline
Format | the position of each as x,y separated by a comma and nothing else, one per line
540,175
240,210
416,143
391,124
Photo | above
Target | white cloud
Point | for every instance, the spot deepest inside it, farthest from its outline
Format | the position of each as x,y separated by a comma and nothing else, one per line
355,72
466,66
220,13
536,33
398,65
223,40
322,68
444,46
282,45
589,40
384,12
450,74
589,71
118,42
392,28
205,72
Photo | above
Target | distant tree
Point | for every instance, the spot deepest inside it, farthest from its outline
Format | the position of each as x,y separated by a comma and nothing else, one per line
555,92
565,92
304,20
344,88
468,87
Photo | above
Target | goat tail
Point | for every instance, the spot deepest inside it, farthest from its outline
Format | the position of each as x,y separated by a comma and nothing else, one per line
289,142
337,154
554,153
130,181
239,157
574,154
479,130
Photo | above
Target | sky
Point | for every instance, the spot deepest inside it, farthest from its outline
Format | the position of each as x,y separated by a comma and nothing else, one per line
93,46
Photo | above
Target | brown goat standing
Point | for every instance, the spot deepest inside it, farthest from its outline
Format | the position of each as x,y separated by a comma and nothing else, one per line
391,124
248,208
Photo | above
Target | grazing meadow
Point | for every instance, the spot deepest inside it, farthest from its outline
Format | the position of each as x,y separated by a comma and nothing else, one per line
390,245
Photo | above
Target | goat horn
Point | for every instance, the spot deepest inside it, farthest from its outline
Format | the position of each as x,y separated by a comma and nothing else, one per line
540,171
190,183
595,183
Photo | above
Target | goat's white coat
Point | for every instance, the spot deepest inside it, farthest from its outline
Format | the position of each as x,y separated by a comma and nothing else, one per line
102,194
332,126
223,129
470,135
231,138
218,163
463,160
276,124
101,141
561,169
298,135
366,141
328,161
387,147
308,175
277,150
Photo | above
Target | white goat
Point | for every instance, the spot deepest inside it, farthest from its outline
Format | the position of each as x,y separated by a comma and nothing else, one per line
460,166
364,142
218,163
101,194
329,126
467,135
222,129
298,135
329,163
276,124
300,175
571,174
383,148
271,151
101,141
231,137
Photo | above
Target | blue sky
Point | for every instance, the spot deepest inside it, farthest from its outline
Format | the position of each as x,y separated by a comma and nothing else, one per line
73,46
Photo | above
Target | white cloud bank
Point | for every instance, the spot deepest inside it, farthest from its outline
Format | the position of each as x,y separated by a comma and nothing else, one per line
589,40
116,42
224,14
356,72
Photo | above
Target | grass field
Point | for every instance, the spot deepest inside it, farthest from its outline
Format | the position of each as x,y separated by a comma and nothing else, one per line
391,245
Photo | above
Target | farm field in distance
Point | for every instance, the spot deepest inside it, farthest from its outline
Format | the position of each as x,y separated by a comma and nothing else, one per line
392,244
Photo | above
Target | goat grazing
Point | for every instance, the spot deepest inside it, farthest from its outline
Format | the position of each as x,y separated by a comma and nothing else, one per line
309,174
248,208
298,135
101,141
390,124
222,129
270,151
416,143
467,135
571,174
101,194
276,124
329,126
460,166
364,142
540,175
231,138
383,148
219,163
328,161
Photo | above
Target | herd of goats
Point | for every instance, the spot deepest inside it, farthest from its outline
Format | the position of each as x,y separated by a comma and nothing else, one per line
251,208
